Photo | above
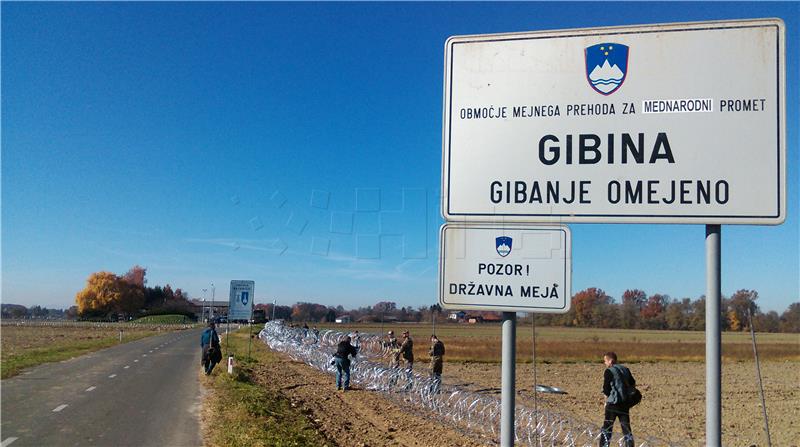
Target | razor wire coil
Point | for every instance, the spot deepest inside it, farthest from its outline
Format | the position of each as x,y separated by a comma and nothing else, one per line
469,411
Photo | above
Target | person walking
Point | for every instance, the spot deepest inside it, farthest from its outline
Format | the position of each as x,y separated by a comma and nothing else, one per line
342,361
616,376
437,363
211,352
407,353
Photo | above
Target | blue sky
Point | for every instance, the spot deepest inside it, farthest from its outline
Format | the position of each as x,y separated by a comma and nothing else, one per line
298,145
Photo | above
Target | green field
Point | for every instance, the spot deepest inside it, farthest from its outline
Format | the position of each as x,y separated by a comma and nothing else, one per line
481,343
27,344
163,319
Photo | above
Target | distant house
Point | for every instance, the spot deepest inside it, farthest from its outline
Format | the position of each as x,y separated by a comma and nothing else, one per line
457,316
483,317
343,319
492,318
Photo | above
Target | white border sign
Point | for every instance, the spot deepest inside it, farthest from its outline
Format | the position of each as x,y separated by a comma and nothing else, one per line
240,301
511,268
674,123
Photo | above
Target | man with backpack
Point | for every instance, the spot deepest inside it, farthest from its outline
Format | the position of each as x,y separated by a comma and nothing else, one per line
212,353
619,386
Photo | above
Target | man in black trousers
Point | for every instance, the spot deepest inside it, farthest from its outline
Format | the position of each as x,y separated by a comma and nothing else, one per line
615,407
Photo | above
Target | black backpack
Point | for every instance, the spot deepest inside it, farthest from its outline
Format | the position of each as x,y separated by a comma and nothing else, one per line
622,391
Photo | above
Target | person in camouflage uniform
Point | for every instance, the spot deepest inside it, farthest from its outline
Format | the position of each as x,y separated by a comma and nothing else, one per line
407,353
437,363
393,347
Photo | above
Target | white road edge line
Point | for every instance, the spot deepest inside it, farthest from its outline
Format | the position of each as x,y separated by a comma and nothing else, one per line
112,376
91,388
8,441
59,408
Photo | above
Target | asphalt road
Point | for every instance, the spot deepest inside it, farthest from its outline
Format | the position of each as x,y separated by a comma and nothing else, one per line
143,393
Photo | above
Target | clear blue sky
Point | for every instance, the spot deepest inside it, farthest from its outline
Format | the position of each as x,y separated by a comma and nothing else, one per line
298,145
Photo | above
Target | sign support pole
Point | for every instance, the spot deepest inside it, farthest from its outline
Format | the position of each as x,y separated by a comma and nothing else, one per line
713,336
508,386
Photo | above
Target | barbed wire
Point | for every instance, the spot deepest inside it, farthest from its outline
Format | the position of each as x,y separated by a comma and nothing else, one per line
469,411
96,324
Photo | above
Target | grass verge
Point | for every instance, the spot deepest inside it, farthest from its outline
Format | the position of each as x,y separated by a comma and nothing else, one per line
14,363
241,412
163,319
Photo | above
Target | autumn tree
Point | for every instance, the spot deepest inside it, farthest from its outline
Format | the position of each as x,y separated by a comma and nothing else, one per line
697,319
136,276
584,303
678,313
738,306
653,312
790,319
102,293
631,307
768,322
384,307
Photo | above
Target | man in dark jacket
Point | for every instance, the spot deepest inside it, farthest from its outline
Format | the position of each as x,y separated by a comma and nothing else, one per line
209,342
437,363
407,353
342,361
615,407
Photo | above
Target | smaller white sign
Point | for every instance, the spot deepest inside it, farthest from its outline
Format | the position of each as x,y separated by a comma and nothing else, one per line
240,303
511,268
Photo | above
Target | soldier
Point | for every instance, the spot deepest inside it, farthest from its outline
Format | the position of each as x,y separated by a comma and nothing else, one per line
407,352
393,347
437,363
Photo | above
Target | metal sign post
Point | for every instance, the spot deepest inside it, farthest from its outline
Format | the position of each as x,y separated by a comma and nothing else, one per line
508,387
713,337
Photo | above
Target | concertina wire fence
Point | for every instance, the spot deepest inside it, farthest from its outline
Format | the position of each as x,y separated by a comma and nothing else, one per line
468,411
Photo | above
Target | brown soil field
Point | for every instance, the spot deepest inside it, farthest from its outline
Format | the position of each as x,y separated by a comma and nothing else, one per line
357,418
673,407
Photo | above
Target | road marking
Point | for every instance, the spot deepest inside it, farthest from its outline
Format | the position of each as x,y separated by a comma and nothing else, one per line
8,441
91,388
144,355
135,360
112,376
127,366
59,408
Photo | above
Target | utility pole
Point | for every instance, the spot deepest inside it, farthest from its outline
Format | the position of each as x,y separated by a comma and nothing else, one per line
203,312
211,308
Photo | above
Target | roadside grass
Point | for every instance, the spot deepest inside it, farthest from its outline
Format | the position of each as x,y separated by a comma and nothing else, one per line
25,347
242,412
481,343
163,319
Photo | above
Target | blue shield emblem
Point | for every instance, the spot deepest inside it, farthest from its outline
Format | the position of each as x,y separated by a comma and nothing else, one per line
245,298
503,245
606,66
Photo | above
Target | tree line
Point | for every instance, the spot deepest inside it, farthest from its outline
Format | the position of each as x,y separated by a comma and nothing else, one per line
590,308
636,310
110,296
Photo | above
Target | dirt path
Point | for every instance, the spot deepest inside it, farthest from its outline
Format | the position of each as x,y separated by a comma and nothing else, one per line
358,417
